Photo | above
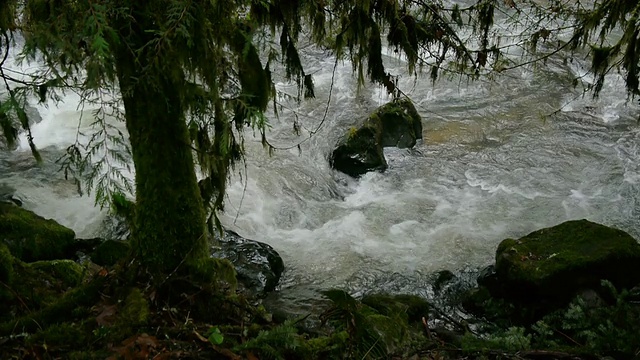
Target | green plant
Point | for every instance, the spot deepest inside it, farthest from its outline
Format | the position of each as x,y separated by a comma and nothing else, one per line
606,329
364,326
512,339
275,343
214,335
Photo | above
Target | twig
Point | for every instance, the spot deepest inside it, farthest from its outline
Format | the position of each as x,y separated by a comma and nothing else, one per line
17,296
324,117
426,326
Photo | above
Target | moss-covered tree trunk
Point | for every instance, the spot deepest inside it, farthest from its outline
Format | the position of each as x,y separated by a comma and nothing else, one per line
169,222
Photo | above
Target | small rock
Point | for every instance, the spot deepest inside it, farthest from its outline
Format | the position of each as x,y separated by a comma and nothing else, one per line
443,278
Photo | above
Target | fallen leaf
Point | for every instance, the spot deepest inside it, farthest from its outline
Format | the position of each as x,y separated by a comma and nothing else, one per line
105,317
228,353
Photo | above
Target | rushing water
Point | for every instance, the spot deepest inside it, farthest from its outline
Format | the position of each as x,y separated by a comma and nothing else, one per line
493,164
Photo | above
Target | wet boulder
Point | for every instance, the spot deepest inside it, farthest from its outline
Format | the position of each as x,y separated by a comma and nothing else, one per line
396,124
550,266
258,265
31,237
360,151
401,124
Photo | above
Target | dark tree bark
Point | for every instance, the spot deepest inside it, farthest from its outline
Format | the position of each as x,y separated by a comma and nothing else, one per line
169,220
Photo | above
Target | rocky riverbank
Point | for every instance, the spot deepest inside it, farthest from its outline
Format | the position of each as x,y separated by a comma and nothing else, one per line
569,291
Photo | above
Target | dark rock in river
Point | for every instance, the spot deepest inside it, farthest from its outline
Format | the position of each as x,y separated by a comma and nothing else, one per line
361,150
258,265
401,124
396,124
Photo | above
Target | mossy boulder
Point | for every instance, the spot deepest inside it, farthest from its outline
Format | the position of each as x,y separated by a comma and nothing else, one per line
551,265
6,272
67,271
30,237
133,314
38,284
396,124
410,308
109,252
401,124
360,151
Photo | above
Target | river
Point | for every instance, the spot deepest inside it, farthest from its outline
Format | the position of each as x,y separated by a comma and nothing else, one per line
500,158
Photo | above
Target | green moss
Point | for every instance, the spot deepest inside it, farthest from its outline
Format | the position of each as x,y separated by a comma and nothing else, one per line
392,332
326,347
36,285
545,269
73,304
71,335
31,237
211,270
6,275
573,245
68,271
109,252
134,313
6,264
410,308
401,124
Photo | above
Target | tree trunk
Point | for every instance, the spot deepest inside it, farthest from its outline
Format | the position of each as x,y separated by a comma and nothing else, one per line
169,222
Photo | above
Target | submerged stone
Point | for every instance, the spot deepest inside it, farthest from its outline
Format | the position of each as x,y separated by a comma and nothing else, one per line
396,124
551,265
31,237
257,264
